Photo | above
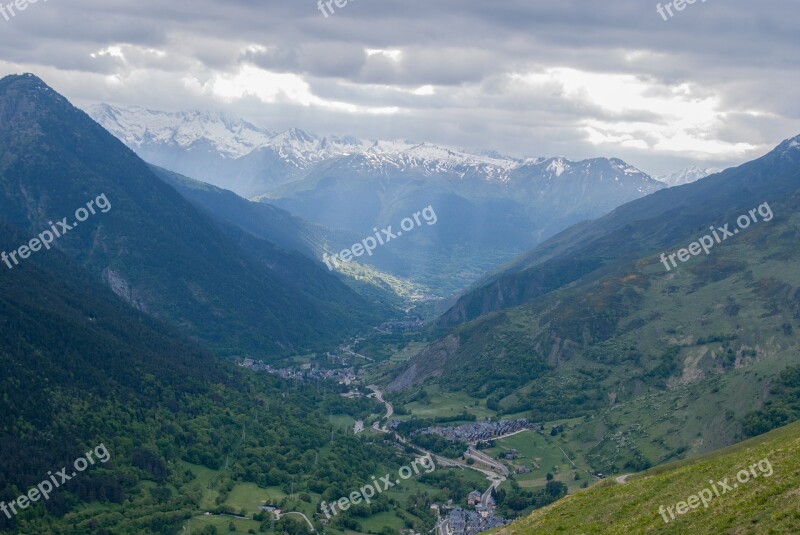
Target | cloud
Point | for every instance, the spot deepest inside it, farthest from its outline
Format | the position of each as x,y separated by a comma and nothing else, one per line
715,84
271,87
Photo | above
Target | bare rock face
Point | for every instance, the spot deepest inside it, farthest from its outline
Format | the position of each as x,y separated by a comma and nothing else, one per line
427,363
117,283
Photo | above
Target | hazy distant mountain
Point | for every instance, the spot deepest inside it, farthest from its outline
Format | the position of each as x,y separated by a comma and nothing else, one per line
220,149
489,210
140,128
242,152
686,176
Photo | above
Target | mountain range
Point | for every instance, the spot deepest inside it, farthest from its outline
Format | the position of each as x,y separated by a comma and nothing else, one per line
181,141
491,207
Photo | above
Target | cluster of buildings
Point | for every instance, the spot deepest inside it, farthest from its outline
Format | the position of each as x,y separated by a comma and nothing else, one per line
402,325
512,455
343,376
465,522
484,430
479,516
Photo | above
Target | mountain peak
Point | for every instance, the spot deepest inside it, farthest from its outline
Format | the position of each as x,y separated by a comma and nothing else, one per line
28,84
26,78
686,176
295,134
137,127
790,145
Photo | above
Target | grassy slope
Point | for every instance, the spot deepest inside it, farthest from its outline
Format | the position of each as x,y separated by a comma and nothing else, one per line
246,497
762,505
730,317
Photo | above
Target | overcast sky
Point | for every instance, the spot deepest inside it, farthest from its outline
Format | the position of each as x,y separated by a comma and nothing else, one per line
714,85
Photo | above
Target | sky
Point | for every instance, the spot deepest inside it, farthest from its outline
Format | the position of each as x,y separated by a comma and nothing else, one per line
714,85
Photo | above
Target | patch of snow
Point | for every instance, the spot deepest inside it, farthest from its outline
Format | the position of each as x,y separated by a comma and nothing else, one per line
686,176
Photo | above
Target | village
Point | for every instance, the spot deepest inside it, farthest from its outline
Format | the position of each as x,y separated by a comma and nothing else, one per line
484,430
344,376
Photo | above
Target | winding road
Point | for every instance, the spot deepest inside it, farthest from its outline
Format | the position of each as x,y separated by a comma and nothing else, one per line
389,408
495,478
310,525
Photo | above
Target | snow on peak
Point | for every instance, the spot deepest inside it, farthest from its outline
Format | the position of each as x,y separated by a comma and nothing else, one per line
790,145
136,126
686,176
233,138
430,159
559,165
304,149
625,167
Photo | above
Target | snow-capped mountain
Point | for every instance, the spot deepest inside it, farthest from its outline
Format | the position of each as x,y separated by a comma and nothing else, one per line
612,171
251,160
486,201
790,147
384,158
304,150
686,176
155,135
140,128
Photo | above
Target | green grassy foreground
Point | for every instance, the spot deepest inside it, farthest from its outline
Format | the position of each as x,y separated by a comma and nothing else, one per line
764,504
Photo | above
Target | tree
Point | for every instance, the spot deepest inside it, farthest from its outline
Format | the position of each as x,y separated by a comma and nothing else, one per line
549,476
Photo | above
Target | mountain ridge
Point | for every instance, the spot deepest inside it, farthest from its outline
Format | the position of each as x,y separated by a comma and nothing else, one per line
298,150
155,248
591,325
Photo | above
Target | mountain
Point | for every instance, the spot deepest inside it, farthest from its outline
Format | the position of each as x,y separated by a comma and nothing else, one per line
686,176
220,149
642,503
488,210
491,207
144,129
591,322
153,248
266,222
586,246
83,371
262,220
